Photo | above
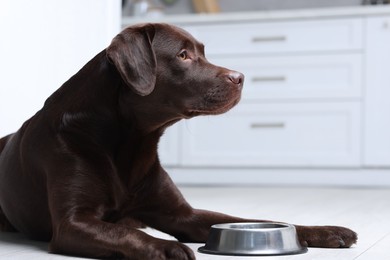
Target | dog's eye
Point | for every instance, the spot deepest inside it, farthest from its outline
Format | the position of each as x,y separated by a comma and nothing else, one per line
183,55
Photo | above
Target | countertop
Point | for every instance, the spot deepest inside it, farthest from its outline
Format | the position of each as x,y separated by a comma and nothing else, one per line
357,11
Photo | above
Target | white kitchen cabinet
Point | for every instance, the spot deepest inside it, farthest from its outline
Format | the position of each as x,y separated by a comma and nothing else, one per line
301,103
169,146
315,106
309,77
279,37
377,93
276,135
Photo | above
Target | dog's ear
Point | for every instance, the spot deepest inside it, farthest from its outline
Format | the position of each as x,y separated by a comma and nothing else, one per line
132,54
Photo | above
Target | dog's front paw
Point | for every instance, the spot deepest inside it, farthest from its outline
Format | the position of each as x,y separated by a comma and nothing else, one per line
326,236
164,250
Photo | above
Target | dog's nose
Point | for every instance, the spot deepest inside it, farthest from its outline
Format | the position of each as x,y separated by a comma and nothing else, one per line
236,77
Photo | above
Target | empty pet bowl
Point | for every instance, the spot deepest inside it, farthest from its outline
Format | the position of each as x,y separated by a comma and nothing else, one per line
252,239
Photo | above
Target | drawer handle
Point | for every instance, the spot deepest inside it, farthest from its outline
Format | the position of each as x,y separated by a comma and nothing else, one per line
269,39
268,125
269,79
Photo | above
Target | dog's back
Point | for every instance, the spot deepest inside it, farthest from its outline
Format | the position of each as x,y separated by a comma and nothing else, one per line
4,223
3,142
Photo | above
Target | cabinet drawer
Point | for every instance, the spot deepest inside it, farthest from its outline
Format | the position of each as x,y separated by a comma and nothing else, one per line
276,37
275,135
307,76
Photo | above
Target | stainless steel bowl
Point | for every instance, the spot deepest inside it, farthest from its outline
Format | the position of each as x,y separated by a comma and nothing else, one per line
252,239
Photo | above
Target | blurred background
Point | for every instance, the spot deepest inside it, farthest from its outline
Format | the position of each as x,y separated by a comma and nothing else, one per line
316,101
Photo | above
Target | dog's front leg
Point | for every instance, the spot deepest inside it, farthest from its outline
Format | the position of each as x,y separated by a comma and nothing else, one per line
84,235
188,224
313,236
175,216
194,226
169,212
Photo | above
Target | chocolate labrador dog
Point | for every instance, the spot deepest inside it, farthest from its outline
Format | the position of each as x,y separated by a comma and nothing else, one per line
84,173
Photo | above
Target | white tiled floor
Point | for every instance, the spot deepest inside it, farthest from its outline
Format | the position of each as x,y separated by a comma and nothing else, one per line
367,211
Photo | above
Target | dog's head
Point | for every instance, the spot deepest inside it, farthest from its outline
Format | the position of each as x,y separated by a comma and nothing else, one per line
167,65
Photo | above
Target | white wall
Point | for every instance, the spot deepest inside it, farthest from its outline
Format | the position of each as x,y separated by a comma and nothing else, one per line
42,44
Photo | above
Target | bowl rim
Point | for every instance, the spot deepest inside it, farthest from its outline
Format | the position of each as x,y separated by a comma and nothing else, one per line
236,226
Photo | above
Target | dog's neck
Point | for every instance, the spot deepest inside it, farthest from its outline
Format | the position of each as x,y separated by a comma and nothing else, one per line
104,108
144,114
